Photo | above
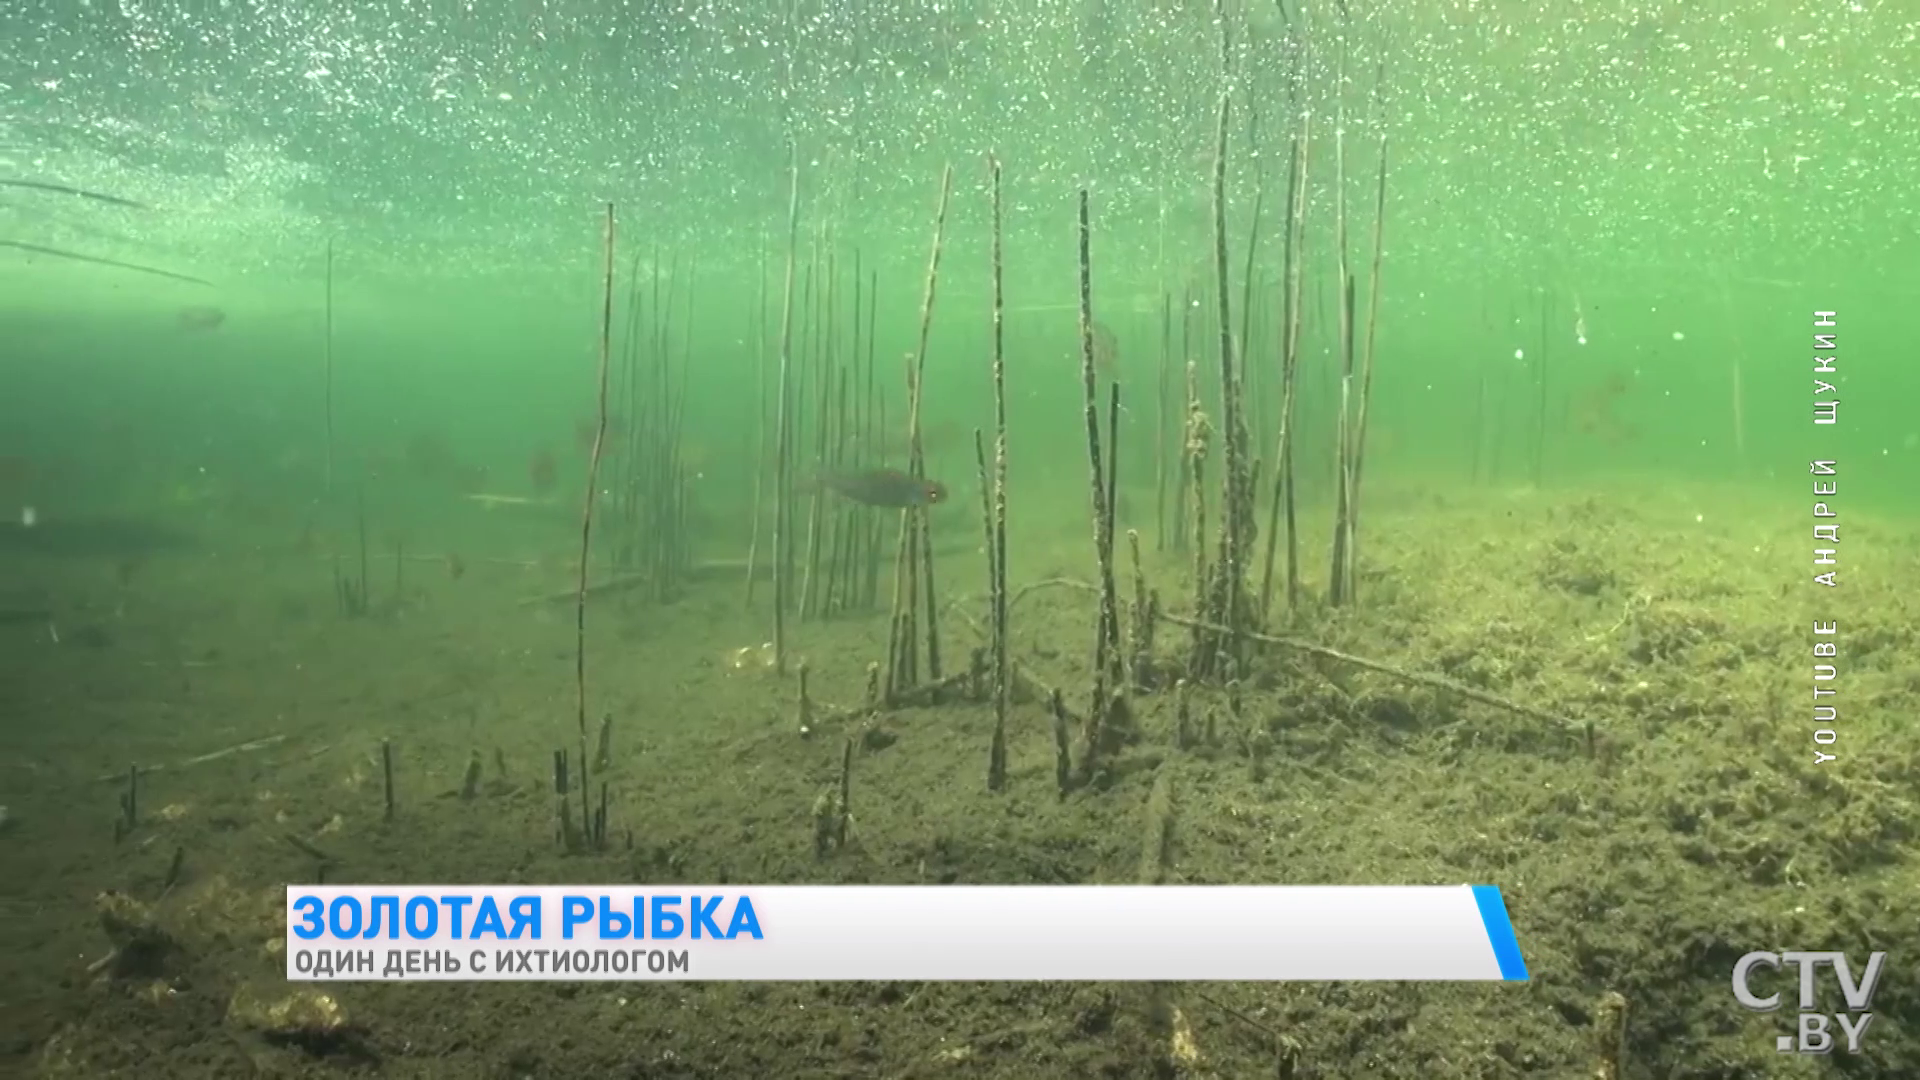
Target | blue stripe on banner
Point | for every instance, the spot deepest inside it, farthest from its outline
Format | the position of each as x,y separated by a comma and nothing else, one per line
1506,947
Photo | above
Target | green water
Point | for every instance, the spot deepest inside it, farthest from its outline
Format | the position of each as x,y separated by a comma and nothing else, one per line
1608,227
1683,183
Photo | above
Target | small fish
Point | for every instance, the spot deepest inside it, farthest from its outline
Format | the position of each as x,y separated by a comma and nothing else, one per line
1106,350
585,431
886,487
492,501
542,471
200,318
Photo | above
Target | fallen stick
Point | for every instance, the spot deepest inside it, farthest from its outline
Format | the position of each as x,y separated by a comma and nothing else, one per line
36,249
1024,679
1436,682
526,564
62,189
611,585
924,694
705,568
306,847
242,748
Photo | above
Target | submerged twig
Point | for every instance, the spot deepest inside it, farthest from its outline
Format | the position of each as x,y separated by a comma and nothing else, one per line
1436,682
242,748
62,189
57,253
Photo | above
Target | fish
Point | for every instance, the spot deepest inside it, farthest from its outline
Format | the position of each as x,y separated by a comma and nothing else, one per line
888,488
492,501
1593,410
200,317
1106,350
588,430
542,471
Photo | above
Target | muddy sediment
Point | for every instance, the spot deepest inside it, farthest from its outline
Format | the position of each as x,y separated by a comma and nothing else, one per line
1679,820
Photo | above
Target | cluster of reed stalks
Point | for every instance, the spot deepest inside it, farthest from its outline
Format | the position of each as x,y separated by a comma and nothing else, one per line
652,546
827,400
913,582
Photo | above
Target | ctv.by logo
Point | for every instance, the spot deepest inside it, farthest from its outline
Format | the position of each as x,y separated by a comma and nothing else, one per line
1814,1036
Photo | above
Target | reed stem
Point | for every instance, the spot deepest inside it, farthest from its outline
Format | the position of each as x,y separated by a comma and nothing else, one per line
1284,501
760,424
1228,602
783,437
1366,375
914,527
1099,483
593,488
328,340
1343,462
1160,417
997,540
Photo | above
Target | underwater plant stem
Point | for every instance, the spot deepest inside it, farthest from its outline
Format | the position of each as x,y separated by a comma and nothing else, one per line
1160,421
327,339
1116,672
1249,374
364,596
1181,470
37,249
876,422
586,513
925,516
626,486
847,526
1228,584
1540,385
840,518
1343,468
819,313
82,193
1283,490
1198,435
998,538
1739,395
1366,374
760,425
783,437
673,555
1103,549
816,506
1337,583
914,524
